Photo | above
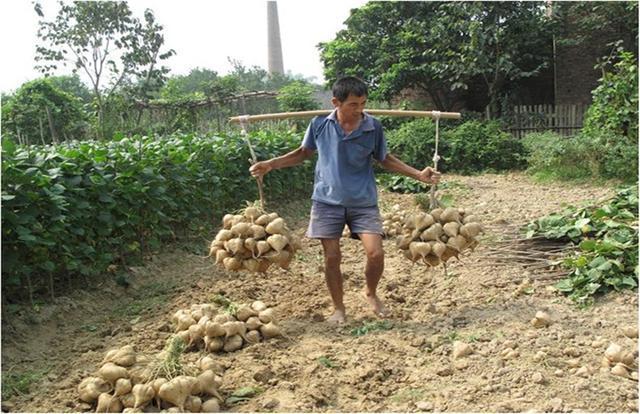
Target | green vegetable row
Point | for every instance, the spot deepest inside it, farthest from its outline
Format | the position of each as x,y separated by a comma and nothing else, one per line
607,236
75,208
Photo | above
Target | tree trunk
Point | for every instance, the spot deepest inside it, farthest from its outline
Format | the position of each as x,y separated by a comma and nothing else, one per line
41,131
52,129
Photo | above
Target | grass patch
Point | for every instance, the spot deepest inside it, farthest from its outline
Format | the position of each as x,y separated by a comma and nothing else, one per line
369,327
147,298
19,383
409,395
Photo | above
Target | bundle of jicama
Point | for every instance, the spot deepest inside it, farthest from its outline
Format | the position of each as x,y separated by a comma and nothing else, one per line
247,324
252,241
117,387
439,235
392,222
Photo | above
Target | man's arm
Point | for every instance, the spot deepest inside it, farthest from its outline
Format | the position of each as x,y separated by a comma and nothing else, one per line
289,159
394,164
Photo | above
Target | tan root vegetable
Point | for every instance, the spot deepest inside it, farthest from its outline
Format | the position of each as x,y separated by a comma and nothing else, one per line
451,228
277,226
258,306
251,265
91,387
449,214
438,248
233,343
184,322
251,245
234,328
142,394
403,242
267,315
213,343
207,362
223,317
132,410
251,213
210,406
128,401
235,246
458,243
108,404
253,336
156,384
257,231
221,255
111,372
213,329
177,390
224,235
231,263
435,213
244,312
207,384
263,247
470,219
270,330
196,332
184,336
432,233
277,242
226,221
123,386
262,220
193,404
253,323
419,250
125,356
240,229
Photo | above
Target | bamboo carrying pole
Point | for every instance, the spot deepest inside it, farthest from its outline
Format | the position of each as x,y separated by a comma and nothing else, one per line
244,120
311,114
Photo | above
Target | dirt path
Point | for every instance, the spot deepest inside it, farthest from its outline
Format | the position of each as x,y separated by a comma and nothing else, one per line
319,367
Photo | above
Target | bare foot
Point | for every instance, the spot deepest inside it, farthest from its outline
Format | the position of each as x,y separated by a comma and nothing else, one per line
377,306
337,317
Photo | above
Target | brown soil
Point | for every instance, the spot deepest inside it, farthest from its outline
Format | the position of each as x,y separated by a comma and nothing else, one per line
319,367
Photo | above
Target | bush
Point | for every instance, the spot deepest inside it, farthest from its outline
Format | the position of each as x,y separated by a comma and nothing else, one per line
553,156
471,147
76,208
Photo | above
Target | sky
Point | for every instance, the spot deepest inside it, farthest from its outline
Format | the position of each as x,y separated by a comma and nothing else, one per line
203,33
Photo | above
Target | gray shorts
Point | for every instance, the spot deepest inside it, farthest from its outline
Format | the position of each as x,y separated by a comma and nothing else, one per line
327,221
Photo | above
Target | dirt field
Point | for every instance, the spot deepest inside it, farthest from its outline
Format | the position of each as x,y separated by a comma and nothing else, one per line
323,368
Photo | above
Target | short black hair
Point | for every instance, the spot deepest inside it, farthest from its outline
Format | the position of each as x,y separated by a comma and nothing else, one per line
347,85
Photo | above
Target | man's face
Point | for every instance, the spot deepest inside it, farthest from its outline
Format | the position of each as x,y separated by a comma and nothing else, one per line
351,108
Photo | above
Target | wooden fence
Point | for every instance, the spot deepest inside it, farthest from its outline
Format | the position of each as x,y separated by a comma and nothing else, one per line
563,119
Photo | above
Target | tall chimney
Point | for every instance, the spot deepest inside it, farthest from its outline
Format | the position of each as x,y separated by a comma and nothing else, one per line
275,47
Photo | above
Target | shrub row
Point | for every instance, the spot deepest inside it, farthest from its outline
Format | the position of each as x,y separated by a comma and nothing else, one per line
471,147
76,208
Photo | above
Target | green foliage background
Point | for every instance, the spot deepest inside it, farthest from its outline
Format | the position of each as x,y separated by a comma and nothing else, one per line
75,208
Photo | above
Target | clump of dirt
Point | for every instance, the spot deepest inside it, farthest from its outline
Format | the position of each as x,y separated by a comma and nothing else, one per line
461,341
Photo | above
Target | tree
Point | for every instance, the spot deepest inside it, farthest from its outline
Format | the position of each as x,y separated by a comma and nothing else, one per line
103,40
440,48
41,112
297,96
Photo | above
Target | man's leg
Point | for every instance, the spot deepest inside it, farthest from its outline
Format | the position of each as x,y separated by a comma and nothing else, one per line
372,244
332,259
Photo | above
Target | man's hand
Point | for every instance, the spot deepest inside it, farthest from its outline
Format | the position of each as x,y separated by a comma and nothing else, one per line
260,168
430,176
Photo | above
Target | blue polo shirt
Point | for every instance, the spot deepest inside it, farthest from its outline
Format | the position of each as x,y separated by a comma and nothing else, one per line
344,170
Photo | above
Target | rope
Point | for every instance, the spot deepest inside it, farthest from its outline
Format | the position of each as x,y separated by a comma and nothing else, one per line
433,202
244,122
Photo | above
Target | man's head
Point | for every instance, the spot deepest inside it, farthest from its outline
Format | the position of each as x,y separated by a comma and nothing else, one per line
349,98
349,85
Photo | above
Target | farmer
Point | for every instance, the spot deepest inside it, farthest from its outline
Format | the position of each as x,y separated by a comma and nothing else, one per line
344,189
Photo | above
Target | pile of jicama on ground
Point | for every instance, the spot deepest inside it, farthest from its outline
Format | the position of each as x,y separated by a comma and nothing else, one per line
253,240
201,327
131,382
433,237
